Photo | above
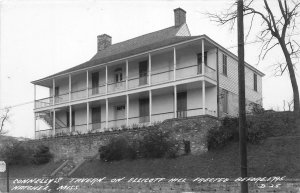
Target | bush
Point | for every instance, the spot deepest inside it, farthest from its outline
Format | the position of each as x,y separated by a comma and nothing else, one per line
42,155
258,127
16,154
157,143
118,148
218,137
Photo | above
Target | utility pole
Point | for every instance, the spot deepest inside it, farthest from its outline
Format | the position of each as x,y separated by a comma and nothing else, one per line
242,107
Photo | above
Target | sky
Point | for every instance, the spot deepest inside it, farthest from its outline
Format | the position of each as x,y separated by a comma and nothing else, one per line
41,37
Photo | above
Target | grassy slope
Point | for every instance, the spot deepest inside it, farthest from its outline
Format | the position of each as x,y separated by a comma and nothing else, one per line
275,156
32,171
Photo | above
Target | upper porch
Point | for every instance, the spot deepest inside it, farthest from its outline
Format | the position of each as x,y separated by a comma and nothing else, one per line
164,67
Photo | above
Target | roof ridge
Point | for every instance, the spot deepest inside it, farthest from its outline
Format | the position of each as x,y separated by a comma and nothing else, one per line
140,37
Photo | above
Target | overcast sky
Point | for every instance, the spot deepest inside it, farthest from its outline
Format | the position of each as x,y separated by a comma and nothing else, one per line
42,37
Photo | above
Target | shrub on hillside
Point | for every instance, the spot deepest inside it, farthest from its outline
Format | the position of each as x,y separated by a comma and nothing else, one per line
16,154
42,155
157,143
118,148
258,128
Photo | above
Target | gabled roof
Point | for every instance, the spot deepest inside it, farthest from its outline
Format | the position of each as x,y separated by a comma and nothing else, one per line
136,45
151,41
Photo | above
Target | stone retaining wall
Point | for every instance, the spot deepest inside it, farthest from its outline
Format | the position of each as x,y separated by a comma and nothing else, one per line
78,147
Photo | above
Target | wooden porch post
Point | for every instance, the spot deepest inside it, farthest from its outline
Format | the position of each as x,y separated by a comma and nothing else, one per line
70,118
87,84
126,74
106,86
54,122
149,66
53,91
87,115
127,110
203,64
203,97
150,106
175,101
70,87
174,55
106,113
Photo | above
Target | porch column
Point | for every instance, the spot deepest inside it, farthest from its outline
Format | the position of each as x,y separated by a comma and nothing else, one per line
175,101
150,66
203,97
106,87
53,124
126,74
203,64
106,113
70,118
53,91
174,78
150,106
87,115
87,84
34,93
127,110
35,135
70,87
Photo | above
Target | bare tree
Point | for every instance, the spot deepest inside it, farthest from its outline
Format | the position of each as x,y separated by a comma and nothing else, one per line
277,28
3,119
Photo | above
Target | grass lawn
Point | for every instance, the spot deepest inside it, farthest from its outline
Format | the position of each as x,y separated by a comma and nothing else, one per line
32,171
278,156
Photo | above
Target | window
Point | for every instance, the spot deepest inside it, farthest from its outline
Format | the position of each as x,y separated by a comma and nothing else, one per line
118,75
120,107
199,61
224,65
224,97
255,82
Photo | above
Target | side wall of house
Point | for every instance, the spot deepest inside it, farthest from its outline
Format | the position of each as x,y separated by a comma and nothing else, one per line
229,83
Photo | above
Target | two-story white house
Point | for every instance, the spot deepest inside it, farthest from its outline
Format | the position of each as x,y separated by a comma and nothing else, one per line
157,76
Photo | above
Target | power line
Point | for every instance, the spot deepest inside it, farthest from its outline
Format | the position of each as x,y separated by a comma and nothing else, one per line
17,105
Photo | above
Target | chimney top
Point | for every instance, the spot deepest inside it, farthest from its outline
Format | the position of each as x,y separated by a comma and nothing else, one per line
179,16
103,41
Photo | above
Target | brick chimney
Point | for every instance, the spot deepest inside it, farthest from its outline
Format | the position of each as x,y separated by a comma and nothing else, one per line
179,15
103,41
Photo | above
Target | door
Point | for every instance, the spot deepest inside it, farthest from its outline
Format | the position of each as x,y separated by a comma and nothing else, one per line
143,68
144,110
119,115
181,104
199,61
96,118
95,83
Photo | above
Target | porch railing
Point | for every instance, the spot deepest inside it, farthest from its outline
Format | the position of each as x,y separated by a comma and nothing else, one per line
45,102
133,82
133,121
